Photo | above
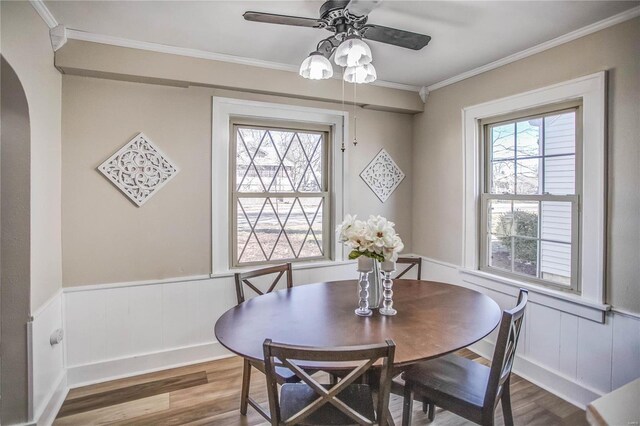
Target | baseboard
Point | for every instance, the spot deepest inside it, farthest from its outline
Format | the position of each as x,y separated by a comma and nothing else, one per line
101,371
553,382
579,388
54,402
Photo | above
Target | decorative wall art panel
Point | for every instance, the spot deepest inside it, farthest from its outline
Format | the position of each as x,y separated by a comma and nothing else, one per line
382,175
139,169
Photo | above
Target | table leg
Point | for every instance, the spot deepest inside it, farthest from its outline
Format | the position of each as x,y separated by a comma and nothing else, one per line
407,406
372,378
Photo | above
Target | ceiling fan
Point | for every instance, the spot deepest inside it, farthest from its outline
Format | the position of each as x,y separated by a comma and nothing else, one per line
347,19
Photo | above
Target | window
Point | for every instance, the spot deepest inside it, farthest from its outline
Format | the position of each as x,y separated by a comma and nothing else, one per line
531,194
583,294
227,114
280,193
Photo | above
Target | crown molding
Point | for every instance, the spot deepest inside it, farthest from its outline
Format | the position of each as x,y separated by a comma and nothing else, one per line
58,37
174,50
202,54
581,32
51,21
424,94
44,13
394,85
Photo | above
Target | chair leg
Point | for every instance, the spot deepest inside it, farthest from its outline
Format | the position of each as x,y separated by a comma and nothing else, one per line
244,393
333,379
431,415
407,408
506,404
429,408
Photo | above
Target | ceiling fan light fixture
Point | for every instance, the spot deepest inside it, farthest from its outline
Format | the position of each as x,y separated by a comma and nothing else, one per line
316,67
361,74
352,52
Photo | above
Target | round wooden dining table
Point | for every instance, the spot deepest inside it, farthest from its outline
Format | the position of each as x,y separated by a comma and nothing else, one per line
433,319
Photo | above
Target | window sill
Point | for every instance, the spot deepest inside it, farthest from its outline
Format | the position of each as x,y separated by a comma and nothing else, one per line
565,302
296,266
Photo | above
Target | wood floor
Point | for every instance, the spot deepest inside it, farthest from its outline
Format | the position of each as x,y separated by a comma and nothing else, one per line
209,394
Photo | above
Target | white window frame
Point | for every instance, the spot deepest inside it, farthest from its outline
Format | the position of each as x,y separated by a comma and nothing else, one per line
227,109
590,90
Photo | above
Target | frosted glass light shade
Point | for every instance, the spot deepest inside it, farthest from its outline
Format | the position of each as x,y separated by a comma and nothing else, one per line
316,67
362,74
352,52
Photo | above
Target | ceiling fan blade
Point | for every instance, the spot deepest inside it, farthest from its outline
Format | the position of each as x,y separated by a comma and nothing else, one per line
271,18
401,38
362,7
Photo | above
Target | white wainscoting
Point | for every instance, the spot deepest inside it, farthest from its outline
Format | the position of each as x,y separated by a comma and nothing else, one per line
573,357
122,329
48,375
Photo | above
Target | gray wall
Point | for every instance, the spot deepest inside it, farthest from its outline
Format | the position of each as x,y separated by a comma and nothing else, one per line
108,239
14,245
27,47
31,151
437,157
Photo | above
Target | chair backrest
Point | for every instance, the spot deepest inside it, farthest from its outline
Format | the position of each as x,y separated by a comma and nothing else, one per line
277,354
412,262
242,279
505,350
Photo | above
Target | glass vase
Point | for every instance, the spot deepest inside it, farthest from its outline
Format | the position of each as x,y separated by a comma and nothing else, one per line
369,270
375,286
387,304
365,267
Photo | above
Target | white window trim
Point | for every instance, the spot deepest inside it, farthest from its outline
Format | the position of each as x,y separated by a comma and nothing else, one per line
591,89
224,110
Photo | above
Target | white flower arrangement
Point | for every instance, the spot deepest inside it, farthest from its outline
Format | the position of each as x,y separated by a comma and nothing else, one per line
376,238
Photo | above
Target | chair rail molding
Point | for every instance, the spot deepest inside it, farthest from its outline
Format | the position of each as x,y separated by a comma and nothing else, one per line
117,330
563,350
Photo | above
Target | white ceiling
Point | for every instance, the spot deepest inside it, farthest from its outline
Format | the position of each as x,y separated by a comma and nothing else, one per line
466,34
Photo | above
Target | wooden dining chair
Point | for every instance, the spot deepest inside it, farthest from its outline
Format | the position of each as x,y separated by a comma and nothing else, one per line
464,387
412,262
315,403
242,279
284,375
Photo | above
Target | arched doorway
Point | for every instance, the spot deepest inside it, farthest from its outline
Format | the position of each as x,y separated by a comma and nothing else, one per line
15,151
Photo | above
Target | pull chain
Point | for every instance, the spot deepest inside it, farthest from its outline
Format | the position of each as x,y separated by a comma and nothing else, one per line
355,117
342,147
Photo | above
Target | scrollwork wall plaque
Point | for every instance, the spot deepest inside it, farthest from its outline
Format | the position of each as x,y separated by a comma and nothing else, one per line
139,169
382,175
